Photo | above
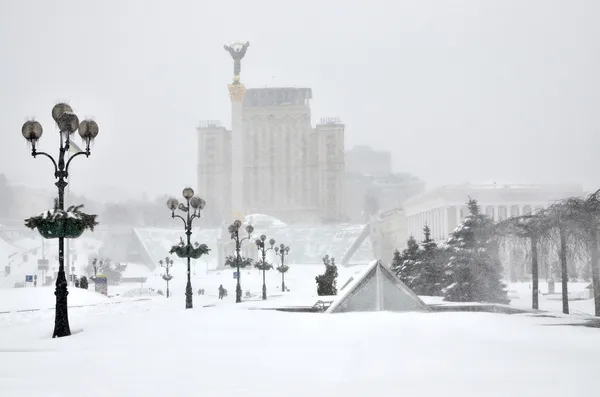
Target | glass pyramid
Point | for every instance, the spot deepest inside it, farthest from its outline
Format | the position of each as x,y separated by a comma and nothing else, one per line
377,290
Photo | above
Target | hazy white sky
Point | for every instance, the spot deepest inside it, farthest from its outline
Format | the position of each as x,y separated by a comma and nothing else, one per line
505,90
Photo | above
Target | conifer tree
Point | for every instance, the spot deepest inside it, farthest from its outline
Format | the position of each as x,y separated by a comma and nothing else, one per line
404,264
473,271
327,282
429,273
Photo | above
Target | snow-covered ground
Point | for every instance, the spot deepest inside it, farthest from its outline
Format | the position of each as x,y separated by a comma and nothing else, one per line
157,348
146,345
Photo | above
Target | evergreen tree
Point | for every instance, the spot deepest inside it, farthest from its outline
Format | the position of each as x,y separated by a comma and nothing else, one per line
404,265
428,275
327,282
474,270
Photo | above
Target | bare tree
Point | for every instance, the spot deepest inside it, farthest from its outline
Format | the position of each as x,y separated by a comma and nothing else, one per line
584,219
532,227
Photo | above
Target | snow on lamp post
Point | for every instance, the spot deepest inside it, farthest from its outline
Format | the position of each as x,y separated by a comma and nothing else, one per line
59,223
167,264
234,231
263,265
192,211
282,251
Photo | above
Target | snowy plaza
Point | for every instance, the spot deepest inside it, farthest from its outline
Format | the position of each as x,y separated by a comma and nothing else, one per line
291,199
138,344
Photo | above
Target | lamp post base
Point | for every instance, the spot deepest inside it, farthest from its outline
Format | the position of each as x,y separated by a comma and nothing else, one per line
61,319
188,295
264,292
238,293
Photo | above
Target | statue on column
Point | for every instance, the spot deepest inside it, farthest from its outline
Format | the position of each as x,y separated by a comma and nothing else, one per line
237,52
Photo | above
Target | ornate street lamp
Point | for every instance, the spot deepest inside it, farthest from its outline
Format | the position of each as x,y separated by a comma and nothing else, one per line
68,123
234,231
264,266
192,211
167,264
282,251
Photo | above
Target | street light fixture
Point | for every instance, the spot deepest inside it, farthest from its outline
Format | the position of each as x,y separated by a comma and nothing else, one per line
32,131
167,264
260,244
192,210
234,231
282,251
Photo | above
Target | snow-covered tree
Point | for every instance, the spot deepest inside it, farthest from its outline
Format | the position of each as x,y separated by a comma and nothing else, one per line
403,264
427,278
327,282
473,272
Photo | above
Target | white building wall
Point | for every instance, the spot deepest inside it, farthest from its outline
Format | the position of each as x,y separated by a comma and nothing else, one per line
444,208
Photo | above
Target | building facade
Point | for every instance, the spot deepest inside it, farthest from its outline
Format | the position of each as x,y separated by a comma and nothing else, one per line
444,208
290,170
214,167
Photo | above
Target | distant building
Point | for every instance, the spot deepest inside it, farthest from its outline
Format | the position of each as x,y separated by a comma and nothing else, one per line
444,208
366,161
388,233
387,191
291,170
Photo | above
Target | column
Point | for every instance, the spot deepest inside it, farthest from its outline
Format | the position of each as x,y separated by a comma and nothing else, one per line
236,92
520,210
496,217
458,219
445,222
440,227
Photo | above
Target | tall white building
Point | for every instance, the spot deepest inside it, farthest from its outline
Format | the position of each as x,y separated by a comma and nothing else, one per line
290,170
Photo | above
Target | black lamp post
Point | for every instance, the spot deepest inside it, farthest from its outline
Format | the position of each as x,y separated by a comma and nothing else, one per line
234,231
192,211
282,251
260,244
68,123
167,264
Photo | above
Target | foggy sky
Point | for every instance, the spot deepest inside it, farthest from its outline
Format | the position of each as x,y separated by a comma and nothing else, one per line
458,91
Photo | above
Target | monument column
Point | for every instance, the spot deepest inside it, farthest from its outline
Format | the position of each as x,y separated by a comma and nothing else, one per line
236,199
236,92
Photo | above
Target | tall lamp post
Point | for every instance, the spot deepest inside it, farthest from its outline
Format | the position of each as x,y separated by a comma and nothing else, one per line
234,231
260,244
282,251
192,211
167,265
67,123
